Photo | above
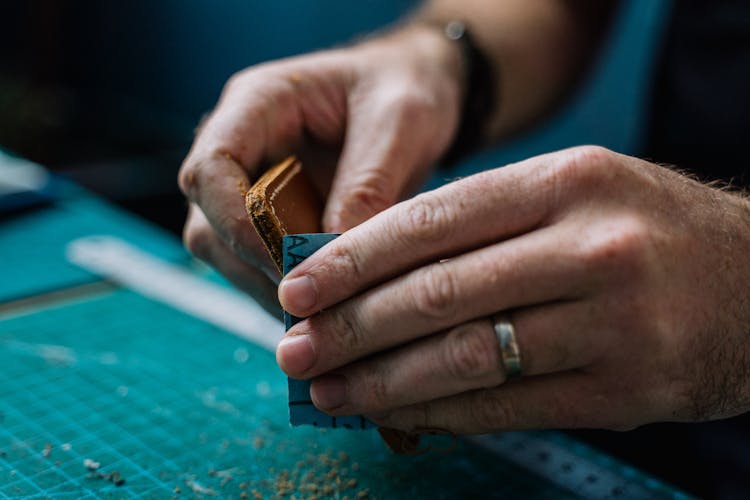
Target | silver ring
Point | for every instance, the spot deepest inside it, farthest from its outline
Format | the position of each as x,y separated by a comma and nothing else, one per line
506,339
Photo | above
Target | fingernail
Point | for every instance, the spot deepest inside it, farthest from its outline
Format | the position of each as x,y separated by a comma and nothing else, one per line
295,354
329,391
298,295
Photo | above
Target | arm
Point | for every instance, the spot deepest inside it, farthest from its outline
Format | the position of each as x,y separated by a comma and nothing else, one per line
626,283
537,49
370,119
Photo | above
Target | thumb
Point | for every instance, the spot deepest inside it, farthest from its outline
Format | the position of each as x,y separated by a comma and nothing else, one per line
390,142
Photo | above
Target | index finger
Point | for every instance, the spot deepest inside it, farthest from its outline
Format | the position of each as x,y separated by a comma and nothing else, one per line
467,214
216,174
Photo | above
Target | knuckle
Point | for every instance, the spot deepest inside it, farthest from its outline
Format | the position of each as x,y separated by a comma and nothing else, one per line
582,167
198,240
435,292
623,246
198,171
471,353
236,81
187,177
410,106
342,329
428,219
371,195
493,411
590,155
344,261
377,394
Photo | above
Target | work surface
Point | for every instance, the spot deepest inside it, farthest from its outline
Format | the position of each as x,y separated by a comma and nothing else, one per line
111,392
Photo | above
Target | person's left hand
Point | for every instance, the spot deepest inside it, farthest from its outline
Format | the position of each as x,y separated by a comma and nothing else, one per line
628,285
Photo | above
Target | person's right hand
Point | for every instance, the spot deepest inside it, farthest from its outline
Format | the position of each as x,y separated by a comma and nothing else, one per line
380,112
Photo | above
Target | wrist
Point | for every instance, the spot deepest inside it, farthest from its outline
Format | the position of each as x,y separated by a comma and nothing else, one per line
479,94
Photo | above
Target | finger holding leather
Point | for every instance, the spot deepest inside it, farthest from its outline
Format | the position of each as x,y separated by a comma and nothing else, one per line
203,242
516,273
461,216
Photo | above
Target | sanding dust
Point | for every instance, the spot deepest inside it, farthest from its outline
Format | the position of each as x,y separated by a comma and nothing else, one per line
93,466
198,488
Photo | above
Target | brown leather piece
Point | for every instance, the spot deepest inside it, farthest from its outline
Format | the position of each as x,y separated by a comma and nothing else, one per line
284,201
401,442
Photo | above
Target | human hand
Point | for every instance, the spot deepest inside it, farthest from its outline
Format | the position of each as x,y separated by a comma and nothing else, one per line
367,120
627,284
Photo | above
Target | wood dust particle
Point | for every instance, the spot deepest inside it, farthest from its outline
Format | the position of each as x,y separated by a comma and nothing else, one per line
199,488
91,464
116,479
283,485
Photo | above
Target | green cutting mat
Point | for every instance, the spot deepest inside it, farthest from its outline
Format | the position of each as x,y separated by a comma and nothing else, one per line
176,407
173,404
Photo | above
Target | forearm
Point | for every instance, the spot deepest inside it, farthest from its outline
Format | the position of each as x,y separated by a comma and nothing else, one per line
537,48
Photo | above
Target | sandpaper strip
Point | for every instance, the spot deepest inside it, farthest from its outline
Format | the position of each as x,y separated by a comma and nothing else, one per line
295,249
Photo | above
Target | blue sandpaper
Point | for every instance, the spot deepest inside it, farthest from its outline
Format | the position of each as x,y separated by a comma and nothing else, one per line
295,249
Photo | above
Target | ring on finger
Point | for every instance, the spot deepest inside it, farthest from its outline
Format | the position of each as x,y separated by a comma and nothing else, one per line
510,354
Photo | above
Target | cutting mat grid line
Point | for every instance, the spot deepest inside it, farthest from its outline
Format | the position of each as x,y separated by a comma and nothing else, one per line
45,436
70,423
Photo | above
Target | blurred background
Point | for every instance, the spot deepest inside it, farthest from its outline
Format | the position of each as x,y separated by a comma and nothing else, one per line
109,92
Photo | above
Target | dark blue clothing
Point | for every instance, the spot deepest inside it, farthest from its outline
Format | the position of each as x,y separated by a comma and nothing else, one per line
701,99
